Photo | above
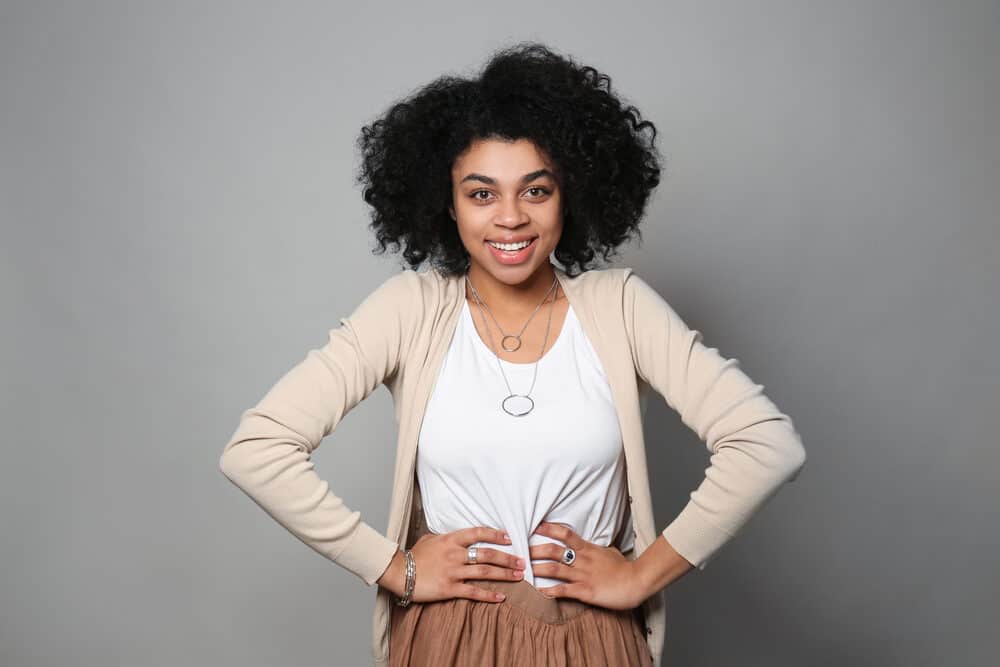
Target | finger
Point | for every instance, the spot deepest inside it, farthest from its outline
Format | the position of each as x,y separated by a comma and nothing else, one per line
548,550
553,591
574,590
561,532
556,571
469,536
483,571
502,558
557,591
476,593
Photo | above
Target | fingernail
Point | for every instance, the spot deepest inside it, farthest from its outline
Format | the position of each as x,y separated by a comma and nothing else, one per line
500,596
506,537
520,562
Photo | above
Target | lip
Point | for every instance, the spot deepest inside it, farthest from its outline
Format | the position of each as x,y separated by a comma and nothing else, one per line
519,257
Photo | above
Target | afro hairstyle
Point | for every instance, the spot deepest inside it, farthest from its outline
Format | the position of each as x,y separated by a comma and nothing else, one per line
604,155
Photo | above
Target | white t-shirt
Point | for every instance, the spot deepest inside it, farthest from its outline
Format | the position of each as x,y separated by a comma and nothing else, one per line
563,462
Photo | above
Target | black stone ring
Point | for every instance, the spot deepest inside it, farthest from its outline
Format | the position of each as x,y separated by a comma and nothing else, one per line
568,556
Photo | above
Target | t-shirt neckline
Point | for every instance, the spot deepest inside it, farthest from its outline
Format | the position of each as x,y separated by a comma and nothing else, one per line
481,344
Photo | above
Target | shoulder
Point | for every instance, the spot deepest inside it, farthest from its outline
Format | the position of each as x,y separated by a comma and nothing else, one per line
621,286
633,284
599,282
621,289
407,284
410,295
640,298
602,290
390,298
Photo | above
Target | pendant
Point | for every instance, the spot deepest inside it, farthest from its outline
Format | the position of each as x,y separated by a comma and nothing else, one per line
517,343
519,403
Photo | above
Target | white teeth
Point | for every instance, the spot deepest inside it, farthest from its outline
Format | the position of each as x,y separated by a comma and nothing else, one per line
510,246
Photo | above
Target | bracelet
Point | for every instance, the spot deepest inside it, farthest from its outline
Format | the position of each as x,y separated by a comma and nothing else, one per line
411,579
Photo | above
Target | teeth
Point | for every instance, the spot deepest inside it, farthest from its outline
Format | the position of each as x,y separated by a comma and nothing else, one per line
510,246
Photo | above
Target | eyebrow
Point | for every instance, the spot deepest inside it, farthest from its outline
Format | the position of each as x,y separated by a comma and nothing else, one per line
524,179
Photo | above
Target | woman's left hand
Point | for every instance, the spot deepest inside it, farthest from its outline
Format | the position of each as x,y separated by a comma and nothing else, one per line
600,576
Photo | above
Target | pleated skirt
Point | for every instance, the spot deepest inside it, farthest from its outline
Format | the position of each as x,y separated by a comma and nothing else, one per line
525,629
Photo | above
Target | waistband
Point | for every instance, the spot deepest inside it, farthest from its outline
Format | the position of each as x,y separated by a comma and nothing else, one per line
524,595
533,602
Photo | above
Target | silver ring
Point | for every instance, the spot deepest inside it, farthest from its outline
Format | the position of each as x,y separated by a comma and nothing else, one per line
568,556
471,555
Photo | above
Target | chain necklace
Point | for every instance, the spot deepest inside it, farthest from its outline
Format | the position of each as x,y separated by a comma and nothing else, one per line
515,337
516,405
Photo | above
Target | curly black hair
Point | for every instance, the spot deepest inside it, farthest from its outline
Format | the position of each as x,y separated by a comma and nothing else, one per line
604,155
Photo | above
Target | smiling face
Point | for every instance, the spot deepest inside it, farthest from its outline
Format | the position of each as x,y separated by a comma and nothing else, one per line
505,193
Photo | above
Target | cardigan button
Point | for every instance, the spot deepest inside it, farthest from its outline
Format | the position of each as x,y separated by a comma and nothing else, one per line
649,630
630,499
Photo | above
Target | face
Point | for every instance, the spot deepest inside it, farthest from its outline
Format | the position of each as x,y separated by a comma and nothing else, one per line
506,192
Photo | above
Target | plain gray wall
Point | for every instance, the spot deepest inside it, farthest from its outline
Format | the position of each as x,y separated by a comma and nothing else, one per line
180,226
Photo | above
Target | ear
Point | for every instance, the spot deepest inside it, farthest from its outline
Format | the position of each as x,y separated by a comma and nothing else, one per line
451,210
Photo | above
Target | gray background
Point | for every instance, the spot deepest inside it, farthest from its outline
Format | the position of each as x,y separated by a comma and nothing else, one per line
180,226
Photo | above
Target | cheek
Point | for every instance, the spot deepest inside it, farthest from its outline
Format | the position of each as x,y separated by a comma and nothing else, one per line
469,232
556,226
471,220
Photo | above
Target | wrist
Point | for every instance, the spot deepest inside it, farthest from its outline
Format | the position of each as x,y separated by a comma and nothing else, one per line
393,579
657,567
641,580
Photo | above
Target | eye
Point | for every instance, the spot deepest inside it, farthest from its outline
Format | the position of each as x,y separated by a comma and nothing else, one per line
474,194
541,192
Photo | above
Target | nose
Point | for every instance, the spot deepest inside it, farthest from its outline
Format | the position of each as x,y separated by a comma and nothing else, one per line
510,214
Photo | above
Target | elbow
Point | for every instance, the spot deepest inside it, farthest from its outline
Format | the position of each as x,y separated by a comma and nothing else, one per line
796,461
232,462
226,464
781,449
790,453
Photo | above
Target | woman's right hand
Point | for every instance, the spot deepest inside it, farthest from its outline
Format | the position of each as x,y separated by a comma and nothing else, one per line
442,570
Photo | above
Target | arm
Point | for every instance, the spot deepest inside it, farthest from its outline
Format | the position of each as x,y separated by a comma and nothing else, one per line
269,454
754,447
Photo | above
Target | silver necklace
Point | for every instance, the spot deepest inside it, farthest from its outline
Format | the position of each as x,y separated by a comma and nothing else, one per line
516,345
516,405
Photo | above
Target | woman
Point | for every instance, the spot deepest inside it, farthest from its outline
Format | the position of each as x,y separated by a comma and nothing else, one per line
521,529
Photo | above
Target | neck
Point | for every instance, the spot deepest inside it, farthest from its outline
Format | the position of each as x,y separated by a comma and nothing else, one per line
513,298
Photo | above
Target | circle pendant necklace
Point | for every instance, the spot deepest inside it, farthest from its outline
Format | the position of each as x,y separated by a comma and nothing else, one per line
509,342
516,405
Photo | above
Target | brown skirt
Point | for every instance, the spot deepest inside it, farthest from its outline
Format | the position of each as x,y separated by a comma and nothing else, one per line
526,628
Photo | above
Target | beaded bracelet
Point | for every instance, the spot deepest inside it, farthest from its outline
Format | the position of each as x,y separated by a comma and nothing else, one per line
411,579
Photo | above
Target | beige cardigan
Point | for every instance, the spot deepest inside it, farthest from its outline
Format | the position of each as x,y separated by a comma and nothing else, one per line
398,336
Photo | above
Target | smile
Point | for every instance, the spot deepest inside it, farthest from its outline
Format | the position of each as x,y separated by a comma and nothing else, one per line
511,246
512,253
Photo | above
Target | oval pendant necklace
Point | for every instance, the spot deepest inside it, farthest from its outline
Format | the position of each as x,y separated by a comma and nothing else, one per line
516,405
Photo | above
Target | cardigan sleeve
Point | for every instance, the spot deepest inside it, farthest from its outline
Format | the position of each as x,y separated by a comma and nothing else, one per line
269,455
754,447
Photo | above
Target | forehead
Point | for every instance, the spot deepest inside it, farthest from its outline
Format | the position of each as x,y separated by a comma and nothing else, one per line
500,159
